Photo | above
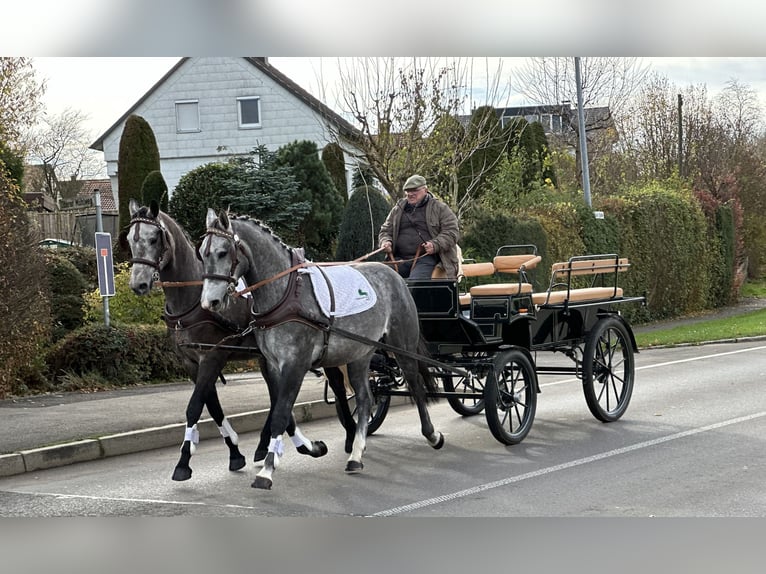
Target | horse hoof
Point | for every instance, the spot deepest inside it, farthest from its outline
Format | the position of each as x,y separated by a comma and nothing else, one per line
353,467
439,443
318,449
236,463
262,483
182,473
260,455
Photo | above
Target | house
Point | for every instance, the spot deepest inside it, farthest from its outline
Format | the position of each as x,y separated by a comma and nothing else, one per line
84,197
210,109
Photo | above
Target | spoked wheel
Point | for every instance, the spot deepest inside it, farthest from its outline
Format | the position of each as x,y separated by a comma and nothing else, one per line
510,396
608,369
378,410
466,406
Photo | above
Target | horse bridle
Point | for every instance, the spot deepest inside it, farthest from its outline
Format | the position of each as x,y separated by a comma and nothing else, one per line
163,238
235,245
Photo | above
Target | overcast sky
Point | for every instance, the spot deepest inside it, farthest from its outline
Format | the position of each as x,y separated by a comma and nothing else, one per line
106,87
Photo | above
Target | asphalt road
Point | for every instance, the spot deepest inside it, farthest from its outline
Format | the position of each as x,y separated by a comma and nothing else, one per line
690,445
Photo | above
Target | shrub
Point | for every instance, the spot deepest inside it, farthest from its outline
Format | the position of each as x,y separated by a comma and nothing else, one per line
24,306
197,190
125,306
114,356
154,188
66,287
365,212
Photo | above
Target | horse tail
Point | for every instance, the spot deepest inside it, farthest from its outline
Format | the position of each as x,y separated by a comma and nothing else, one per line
427,377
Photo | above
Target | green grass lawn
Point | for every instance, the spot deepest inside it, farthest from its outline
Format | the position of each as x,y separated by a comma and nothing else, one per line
746,325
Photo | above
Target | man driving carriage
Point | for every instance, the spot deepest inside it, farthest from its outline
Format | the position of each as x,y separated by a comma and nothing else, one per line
421,232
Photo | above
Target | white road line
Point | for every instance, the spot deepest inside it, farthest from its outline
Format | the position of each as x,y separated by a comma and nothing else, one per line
665,364
564,466
133,500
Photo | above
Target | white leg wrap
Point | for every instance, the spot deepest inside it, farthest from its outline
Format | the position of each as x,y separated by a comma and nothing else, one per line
192,435
277,447
227,431
298,439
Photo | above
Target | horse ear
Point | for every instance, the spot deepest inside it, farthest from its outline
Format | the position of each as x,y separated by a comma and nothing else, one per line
122,241
211,217
224,220
133,207
154,207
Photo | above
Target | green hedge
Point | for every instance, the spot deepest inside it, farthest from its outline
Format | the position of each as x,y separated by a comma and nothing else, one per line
115,355
682,257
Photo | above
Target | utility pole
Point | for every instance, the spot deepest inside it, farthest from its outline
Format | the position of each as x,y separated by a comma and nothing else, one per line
680,136
582,136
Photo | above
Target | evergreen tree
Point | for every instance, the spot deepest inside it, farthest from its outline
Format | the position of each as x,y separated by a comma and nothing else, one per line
137,157
365,212
334,161
318,232
262,188
154,188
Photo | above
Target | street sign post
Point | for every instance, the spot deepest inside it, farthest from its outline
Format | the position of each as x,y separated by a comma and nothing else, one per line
105,264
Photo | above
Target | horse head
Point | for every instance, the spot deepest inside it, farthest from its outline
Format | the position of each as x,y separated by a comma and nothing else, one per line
224,260
150,245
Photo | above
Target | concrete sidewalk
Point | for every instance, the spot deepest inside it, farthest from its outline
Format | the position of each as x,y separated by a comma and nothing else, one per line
53,430
46,431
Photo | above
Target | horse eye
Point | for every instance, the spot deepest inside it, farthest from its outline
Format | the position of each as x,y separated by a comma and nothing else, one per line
153,241
222,254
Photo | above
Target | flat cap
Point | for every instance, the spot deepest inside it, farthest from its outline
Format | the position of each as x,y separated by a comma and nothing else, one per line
414,182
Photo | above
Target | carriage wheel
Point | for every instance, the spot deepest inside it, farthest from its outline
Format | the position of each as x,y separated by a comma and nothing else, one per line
466,406
510,396
378,410
608,368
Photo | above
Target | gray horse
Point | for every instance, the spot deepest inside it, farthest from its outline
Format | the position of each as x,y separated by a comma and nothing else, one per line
205,340
295,334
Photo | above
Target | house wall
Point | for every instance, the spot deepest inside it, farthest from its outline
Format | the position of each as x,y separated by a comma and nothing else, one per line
216,83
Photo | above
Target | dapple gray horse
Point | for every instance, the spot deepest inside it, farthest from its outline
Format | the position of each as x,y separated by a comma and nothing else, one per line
162,250
294,334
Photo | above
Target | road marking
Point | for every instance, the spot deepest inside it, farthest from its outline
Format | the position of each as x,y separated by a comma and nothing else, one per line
134,500
564,466
666,363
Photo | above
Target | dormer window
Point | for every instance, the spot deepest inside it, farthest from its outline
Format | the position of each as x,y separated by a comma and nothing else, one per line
249,112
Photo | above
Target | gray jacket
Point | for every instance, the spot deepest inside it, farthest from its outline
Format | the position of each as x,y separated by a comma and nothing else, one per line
442,225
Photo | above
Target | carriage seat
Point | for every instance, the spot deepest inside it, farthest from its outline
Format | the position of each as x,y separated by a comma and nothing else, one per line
512,264
474,270
561,291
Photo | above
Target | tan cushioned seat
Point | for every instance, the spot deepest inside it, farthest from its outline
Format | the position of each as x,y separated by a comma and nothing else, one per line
588,294
501,289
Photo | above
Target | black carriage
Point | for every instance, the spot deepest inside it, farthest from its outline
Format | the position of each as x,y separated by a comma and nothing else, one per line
486,340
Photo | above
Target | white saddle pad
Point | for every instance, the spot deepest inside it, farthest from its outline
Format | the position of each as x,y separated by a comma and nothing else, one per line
353,293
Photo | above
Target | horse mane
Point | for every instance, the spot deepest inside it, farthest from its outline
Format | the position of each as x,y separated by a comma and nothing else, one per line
258,223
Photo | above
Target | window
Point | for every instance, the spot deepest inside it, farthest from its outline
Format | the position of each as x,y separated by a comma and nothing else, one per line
187,116
249,112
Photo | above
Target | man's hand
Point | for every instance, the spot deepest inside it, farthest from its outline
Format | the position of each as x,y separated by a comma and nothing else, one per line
429,248
386,246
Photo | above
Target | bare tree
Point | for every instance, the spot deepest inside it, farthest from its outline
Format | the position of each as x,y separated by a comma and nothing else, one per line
406,112
607,86
20,95
60,145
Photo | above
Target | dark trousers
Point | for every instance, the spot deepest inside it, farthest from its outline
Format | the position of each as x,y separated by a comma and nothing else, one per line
424,266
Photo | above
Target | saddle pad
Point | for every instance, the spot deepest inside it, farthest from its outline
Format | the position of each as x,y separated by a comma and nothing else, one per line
353,293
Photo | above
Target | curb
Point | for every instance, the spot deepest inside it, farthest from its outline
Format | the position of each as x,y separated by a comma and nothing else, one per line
145,439
700,343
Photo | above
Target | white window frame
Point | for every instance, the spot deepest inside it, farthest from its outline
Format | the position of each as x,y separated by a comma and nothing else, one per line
243,125
179,128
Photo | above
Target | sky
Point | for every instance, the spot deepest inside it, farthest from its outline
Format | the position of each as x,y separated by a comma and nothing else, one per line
104,88
101,57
